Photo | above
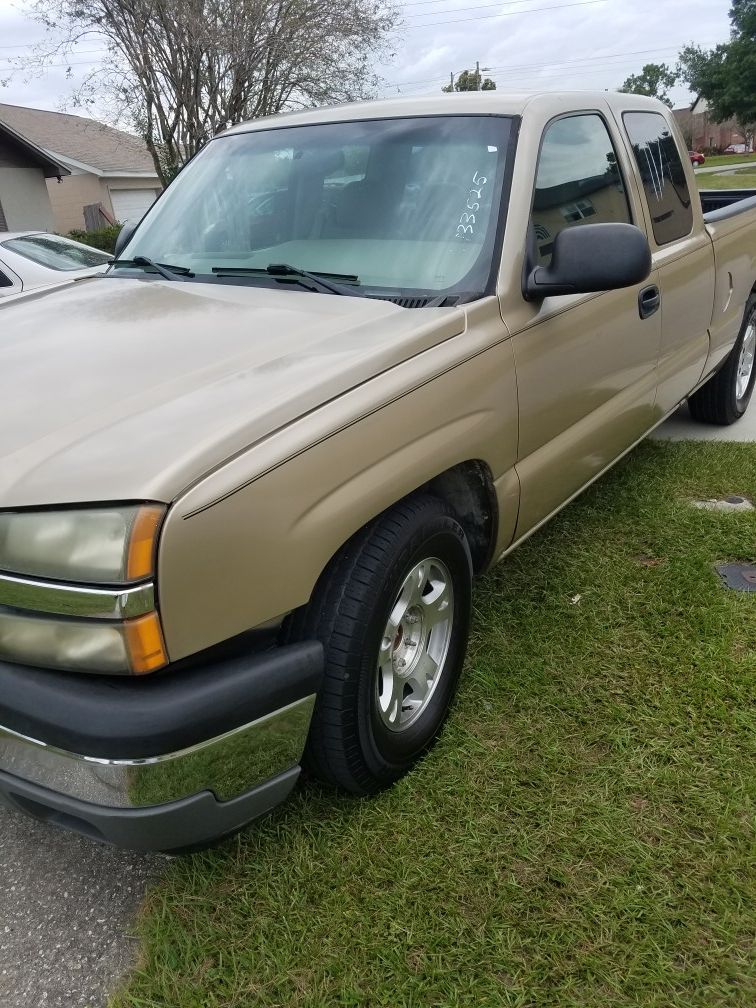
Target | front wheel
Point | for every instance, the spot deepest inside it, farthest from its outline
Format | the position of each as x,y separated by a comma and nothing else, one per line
725,396
393,613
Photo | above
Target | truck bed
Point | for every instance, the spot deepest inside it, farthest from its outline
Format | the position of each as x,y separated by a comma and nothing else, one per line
719,204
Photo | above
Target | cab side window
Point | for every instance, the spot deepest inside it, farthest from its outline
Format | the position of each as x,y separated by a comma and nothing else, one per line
662,173
578,181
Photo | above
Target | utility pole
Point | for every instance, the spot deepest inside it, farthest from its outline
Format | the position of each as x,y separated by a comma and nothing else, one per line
471,83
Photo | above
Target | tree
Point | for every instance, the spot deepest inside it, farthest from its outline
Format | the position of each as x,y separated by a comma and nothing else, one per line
470,80
654,80
726,76
182,70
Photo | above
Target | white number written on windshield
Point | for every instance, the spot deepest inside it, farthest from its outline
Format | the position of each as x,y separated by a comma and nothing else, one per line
466,226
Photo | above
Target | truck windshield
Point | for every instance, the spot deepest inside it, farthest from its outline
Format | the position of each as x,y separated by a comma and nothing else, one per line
390,207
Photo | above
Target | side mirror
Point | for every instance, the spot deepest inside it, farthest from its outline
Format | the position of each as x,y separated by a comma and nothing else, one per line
589,258
124,236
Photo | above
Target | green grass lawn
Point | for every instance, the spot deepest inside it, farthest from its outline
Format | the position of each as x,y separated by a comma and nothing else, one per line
745,179
582,836
729,159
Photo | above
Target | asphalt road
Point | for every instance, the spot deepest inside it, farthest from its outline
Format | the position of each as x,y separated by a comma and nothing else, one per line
66,909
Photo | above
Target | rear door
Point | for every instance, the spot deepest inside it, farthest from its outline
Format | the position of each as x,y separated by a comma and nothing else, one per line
586,363
682,254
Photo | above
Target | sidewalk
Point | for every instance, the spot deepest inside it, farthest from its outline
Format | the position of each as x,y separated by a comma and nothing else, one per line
681,427
735,166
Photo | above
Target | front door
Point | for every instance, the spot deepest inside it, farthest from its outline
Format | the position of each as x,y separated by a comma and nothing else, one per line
586,364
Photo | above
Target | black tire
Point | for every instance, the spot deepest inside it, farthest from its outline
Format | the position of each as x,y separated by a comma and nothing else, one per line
349,744
717,402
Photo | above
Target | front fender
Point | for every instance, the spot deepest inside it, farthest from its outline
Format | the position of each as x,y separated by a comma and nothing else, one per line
247,544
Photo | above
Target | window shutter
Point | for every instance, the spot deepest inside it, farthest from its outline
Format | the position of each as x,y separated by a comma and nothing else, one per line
3,221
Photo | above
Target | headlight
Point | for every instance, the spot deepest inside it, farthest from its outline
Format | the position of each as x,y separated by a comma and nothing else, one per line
103,545
133,647
77,589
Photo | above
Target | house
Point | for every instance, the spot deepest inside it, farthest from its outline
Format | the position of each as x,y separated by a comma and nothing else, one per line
700,130
110,174
25,169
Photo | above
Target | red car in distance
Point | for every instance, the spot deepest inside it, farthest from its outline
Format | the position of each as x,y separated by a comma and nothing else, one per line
696,159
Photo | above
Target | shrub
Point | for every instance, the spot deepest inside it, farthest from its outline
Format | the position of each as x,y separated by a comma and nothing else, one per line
104,239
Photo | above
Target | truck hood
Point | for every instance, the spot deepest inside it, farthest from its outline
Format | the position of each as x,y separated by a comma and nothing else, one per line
120,389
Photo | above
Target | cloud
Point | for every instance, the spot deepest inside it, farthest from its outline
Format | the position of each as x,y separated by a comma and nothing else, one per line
567,47
575,47
52,89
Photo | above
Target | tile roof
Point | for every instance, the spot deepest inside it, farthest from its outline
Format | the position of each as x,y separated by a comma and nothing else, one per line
86,140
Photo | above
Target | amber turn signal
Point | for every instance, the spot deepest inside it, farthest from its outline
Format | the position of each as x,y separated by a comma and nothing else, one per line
143,542
144,644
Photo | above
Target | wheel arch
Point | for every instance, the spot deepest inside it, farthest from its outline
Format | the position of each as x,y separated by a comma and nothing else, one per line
468,488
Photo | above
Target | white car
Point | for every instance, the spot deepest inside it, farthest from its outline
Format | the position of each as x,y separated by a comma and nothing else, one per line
30,259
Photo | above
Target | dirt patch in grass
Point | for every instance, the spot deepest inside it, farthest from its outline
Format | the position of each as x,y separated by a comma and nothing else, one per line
582,836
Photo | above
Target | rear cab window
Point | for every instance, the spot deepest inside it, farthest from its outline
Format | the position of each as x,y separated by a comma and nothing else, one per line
578,180
662,174
56,253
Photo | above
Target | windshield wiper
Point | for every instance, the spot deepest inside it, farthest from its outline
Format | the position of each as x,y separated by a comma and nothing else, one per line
318,280
167,272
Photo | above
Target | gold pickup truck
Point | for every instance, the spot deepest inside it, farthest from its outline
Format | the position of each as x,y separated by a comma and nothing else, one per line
350,358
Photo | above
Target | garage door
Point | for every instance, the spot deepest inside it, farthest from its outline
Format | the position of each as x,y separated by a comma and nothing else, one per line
131,204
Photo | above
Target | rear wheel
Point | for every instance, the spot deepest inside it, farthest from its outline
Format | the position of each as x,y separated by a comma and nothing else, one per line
725,397
392,612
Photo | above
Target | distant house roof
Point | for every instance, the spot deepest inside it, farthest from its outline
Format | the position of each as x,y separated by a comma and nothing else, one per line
88,144
35,154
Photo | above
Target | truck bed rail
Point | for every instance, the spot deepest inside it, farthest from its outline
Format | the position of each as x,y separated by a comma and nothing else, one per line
720,204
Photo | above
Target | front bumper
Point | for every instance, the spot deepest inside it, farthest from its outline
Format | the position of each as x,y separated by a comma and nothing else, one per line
176,760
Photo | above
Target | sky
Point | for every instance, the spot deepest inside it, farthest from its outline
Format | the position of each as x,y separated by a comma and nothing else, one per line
526,44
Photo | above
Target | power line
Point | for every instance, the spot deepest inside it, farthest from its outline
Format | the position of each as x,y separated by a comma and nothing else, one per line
511,3
529,66
533,74
64,63
413,3
565,64
68,63
459,10
423,3
31,45
488,17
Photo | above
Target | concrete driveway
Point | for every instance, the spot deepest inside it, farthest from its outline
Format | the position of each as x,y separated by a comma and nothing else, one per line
67,906
681,427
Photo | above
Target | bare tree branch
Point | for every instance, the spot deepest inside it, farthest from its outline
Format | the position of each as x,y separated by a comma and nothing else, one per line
181,70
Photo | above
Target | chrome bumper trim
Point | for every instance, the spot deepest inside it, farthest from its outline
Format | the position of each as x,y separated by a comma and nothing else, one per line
228,765
32,595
